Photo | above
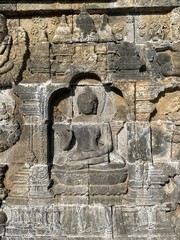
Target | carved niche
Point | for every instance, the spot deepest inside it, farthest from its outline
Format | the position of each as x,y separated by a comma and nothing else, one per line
87,161
12,52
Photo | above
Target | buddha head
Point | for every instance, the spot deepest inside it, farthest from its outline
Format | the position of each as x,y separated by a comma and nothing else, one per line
87,102
3,28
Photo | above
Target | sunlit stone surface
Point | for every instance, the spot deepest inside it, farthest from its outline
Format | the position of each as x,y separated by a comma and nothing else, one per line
90,120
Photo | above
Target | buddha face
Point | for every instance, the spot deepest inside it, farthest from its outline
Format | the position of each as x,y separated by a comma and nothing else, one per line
87,103
3,28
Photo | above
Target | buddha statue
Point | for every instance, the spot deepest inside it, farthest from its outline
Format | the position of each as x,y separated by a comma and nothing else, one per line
83,147
93,138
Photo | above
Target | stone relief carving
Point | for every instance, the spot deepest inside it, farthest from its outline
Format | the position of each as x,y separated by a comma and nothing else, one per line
169,60
85,139
125,61
105,31
18,193
39,183
9,126
3,190
6,42
154,28
63,31
94,153
53,38
175,27
86,26
12,52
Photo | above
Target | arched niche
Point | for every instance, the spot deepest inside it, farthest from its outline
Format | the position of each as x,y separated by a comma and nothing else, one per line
87,132
70,110
88,78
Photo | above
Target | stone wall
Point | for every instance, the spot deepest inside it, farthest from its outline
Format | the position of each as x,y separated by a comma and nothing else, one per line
90,120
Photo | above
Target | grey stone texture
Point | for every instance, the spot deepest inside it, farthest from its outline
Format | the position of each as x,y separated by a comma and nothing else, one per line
90,120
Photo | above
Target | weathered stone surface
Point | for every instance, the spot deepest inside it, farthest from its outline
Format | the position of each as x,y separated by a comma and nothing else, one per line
11,6
12,52
90,120
59,221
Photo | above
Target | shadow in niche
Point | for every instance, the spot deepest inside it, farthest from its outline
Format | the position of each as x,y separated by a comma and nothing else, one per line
57,97
26,58
114,89
83,76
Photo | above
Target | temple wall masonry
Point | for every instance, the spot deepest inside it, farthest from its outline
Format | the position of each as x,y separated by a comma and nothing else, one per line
90,120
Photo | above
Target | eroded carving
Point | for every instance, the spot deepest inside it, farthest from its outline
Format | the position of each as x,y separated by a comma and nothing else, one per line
169,60
12,52
175,26
153,28
39,183
9,126
6,42
98,113
63,31
3,190
86,26
105,31
124,61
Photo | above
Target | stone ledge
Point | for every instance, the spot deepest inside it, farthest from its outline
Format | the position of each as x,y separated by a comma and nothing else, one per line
22,6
